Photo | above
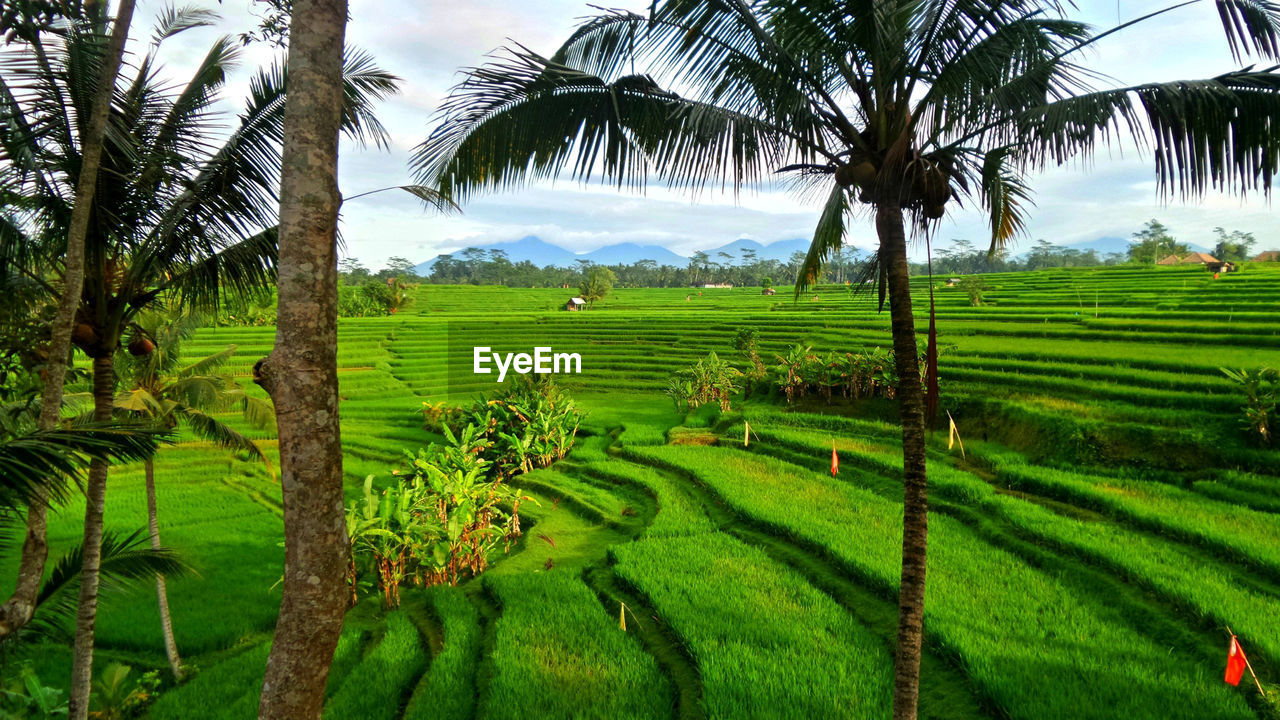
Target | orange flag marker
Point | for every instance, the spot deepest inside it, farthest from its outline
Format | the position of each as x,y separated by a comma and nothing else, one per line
1237,663
835,460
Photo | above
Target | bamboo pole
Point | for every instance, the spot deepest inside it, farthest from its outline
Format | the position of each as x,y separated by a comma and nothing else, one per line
1248,664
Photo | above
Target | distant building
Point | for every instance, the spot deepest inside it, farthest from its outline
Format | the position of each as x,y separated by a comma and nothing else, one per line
1171,260
952,282
1268,256
768,291
575,304
1218,266
725,286
1198,258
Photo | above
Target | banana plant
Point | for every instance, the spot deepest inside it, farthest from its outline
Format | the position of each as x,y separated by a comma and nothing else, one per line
1262,396
519,447
792,367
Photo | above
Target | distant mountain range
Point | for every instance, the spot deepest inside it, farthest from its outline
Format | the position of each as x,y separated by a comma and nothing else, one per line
542,253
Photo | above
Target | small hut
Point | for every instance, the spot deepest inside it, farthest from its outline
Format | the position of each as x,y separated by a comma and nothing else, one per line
952,282
1268,256
1218,266
1170,260
575,304
1198,258
768,291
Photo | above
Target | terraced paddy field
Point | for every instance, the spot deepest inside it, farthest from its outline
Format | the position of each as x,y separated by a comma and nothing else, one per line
1108,518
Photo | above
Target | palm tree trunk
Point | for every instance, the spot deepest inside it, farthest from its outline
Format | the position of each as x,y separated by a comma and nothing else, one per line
95,494
915,507
18,609
162,595
301,372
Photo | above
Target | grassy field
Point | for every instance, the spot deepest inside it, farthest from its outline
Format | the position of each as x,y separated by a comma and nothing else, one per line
1108,519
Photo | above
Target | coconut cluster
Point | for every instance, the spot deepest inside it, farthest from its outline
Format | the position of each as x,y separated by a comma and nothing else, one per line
925,182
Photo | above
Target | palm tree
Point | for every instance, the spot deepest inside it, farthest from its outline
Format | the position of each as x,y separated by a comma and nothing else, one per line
22,19
41,466
165,395
900,105
301,373
178,214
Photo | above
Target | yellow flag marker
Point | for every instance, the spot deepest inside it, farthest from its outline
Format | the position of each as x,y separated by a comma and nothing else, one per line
953,435
622,616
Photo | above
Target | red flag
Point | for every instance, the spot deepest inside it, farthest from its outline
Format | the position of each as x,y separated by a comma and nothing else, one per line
835,460
1236,662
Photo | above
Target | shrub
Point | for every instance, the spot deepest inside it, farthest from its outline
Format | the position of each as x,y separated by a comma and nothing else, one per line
746,342
251,311
444,519
453,508
597,284
372,299
1262,393
854,375
710,380
974,286
24,695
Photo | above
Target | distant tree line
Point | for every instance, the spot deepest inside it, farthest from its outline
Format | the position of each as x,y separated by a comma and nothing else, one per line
477,266
1147,246
962,258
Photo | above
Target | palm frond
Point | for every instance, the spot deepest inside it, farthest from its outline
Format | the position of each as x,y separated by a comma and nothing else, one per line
45,461
126,561
207,392
258,412
243,269
364,85
176,20
232,194
432,199
1252,27
1006,195
1212,133
210,428
692,44
524,117
827,237
208,364
138,400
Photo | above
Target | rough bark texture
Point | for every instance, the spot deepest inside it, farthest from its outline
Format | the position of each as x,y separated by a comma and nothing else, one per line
906,661
95,493
301,371
162,594
18,609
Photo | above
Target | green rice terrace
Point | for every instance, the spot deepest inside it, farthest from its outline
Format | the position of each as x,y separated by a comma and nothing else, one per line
1109,516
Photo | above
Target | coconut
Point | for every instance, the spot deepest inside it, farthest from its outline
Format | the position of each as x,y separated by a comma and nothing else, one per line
844,175
84,335
933,212
936,190
141,346
864,173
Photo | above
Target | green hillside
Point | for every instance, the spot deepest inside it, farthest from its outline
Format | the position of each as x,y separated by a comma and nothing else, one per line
1108,517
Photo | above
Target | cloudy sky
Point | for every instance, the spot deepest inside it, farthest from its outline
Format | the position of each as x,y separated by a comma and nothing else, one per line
425,42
